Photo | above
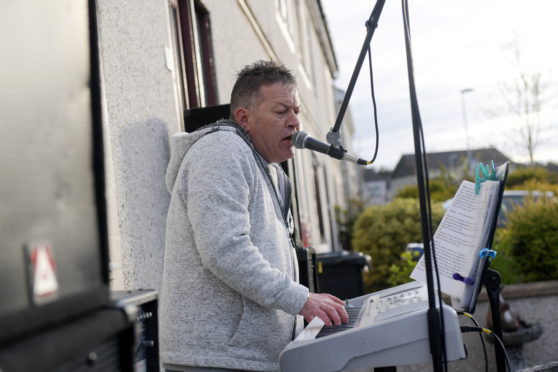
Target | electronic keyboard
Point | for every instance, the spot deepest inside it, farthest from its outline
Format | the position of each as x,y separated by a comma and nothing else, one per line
385,328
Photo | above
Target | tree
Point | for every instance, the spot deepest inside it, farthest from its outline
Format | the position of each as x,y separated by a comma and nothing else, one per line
441,188
346,219
524,99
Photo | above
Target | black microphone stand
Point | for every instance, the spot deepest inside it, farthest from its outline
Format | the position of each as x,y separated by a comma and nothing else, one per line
435,320
333,137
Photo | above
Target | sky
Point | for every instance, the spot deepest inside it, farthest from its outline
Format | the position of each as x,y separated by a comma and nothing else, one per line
456,46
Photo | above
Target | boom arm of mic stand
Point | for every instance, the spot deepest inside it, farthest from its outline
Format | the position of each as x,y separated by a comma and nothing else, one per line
333,136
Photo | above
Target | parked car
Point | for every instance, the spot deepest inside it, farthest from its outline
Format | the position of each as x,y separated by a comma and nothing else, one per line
513,198
510,200
416,250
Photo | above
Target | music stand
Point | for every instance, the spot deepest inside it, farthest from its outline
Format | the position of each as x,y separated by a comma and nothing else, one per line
491,278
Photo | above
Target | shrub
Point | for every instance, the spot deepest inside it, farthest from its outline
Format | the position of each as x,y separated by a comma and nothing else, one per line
383,232
441,189
504,262
531,239
400,272
522,175
536,185
346,218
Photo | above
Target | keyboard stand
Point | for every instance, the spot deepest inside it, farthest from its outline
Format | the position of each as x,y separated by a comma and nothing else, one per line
491,281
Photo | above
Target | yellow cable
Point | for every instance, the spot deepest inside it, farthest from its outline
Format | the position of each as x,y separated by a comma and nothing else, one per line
468,315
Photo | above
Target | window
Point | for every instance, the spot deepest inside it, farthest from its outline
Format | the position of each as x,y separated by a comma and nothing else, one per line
192,34
282,6
305,32
321,222
178,58
285,21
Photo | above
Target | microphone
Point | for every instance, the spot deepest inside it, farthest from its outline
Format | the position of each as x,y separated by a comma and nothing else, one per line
302,140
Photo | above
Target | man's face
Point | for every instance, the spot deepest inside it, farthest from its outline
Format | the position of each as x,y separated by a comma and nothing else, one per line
272,120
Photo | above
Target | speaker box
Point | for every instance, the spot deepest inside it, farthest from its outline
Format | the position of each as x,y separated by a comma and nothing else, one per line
101,340
198,117
146,352
53,254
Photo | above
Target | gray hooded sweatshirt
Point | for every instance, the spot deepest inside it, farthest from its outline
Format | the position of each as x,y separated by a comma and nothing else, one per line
230,294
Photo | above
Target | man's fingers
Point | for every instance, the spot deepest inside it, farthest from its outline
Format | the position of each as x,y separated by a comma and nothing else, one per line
334,299
335,312
328,308
319,314
337,309
333,315
342,313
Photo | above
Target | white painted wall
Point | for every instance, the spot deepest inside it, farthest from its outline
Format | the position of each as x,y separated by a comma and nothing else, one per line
141,113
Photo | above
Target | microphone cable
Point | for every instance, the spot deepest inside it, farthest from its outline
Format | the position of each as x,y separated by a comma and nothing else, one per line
373,95
465,329
425,175
333,136
470,316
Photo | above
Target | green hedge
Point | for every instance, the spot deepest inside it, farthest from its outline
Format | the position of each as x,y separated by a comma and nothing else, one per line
383,232
521,176
441,189
528,245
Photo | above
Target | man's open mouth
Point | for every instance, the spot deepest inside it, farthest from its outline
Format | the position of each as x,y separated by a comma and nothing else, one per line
288,138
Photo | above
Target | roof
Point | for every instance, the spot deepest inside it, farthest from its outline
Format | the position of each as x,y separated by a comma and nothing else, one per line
552,167
448,159
373,175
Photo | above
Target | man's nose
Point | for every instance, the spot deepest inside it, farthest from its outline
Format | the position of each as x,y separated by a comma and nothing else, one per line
293,120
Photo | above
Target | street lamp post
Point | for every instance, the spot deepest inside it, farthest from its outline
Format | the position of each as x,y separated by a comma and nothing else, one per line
464,111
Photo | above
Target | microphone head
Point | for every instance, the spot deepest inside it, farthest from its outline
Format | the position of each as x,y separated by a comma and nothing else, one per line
299,138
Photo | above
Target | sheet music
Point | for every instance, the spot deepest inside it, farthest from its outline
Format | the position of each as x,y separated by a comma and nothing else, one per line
458,238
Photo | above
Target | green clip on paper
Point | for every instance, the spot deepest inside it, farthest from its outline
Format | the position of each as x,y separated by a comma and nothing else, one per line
484,173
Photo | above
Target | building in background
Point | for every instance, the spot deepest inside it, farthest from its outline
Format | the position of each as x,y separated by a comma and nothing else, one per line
452,162
161,58
381,187
376,186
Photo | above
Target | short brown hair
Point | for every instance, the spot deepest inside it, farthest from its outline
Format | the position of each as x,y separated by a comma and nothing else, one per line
252,77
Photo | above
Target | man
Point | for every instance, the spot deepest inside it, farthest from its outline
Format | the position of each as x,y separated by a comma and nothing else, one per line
230,294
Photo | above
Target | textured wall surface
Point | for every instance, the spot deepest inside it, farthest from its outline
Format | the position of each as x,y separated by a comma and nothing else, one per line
140,113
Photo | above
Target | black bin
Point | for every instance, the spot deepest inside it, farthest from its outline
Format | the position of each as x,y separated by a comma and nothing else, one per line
340,273
307,268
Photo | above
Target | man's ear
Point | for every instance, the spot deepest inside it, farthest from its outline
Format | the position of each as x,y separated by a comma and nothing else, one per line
242,116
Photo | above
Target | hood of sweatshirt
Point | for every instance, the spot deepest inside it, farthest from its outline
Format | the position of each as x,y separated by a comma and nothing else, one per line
182,142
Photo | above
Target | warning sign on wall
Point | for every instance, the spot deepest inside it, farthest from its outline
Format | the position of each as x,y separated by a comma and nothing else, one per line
42,273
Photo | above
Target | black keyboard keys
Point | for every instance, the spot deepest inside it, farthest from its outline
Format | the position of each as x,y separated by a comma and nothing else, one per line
329,330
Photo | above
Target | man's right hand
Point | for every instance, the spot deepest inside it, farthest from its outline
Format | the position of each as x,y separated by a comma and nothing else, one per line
330,309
